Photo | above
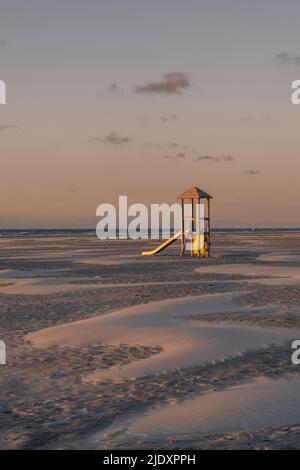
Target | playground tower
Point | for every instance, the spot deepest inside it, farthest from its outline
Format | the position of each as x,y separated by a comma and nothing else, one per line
198,221
195,225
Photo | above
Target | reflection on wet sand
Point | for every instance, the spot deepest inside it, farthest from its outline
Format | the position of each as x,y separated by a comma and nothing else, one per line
260,404
44,286
258,273
281,258
163,324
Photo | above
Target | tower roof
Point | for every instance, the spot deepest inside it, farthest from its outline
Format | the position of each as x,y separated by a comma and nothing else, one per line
194,193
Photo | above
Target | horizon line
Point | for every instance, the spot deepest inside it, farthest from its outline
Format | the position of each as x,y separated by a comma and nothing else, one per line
249,227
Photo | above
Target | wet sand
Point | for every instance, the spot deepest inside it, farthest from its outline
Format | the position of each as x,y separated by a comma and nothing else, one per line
267,275
246,407
158,324
107,349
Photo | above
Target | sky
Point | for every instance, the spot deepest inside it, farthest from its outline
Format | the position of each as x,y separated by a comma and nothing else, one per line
146,99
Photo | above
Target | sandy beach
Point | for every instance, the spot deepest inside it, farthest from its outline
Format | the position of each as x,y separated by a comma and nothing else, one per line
107,349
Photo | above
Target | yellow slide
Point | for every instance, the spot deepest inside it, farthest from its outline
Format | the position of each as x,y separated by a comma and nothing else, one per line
163,245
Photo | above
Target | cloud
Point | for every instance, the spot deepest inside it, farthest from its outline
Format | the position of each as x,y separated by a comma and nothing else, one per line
173,117
144,119
288,59
252,172
170,146
113,87
206,158
176,145
164,119
114,138
151,145
227,158
8,127
224,158
171,83
178,156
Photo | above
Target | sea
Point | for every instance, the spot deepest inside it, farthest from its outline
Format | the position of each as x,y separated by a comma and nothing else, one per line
63,232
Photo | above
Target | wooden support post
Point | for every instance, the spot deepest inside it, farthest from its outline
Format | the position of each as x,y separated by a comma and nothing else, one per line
208,226
182,229
198,229
192,244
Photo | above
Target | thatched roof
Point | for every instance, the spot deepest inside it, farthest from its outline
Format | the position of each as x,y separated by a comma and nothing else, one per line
194,193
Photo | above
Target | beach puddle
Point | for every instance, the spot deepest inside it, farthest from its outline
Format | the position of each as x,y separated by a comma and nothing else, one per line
18,274
268,275
43,286
40,286
121,261
109,261
184,343
282,258
264,403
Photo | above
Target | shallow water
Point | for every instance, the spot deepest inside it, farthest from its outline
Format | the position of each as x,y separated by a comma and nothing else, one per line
119,261
269,275
43,286
163,324
260,404
282,258
108,261
18,274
